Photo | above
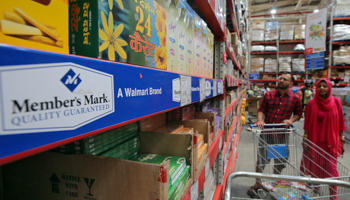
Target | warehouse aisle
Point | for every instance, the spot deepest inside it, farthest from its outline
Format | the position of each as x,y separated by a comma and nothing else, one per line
245,160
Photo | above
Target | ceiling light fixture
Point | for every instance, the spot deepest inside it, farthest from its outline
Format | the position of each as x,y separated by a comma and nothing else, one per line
273,11
316,11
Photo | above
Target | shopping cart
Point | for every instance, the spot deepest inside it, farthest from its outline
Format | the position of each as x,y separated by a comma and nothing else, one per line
290,166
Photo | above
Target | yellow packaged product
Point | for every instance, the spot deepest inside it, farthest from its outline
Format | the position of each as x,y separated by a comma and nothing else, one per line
202,151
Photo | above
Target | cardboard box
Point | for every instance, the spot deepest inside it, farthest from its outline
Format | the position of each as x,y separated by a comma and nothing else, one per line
56,176
35,24
153,122
200,127
258,24
120,31
210,116
234,39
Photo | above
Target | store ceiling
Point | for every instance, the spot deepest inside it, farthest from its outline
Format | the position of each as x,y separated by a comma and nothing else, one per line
263,7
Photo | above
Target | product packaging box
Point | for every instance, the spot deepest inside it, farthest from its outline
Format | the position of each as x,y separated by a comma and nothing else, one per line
298,65
181,31
175,192
125,31
197,45
153,122
210,54
257,65
204,66
189,46
299,32
35,24
257,35
211,117
258,25
284,64
286,32
181,114
234,39
200,127
52,175
270,65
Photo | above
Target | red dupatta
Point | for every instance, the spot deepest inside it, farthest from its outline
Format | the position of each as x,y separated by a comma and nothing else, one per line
328,133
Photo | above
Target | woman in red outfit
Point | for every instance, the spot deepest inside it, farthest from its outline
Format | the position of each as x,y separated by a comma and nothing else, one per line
324,126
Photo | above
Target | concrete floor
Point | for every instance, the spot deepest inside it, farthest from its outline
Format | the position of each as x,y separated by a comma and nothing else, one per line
245,160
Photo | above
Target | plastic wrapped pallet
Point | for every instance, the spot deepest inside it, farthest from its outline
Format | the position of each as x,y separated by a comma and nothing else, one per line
342,56
342,8
270,48
257,35
299,32
299,47
271,34
257,65
270,65
258,48
286,32
341,32
285,64
298,64
257,25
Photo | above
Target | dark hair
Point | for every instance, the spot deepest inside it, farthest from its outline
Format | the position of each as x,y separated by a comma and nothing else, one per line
292,78
266,84
307,85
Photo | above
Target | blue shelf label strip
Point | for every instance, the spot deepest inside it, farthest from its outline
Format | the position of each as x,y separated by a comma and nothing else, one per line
315,61
47,97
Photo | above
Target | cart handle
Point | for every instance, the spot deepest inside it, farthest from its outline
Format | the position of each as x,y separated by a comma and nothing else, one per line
270,125
280,177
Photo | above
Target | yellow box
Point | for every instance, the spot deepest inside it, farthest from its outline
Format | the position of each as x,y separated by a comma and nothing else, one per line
200,139
202,151
39,24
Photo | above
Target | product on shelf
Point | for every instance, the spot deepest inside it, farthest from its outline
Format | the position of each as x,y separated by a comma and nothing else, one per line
270,65
181,31
172,129
228,36
108,30
298,65
258,25
270,48
197,45
127,150
153,122
257,35
286,33
342,56
204,66
257,48
284,64
238,49
176,165
72,176
342,8
210,54
299,47
299,32
269,77
175,192
181,114
271,31
189,45
202,151
234,39
97,144
257,65
35,24
341,32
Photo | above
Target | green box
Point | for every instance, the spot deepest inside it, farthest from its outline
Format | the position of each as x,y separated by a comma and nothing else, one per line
176,191
132,31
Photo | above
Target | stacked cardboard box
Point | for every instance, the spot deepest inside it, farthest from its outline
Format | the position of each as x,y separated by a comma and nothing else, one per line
257,65
284,64
270,65
286,32
299,32
298,64
127,150
341,56
100,143
271,34
153,122
257,35
258,25
181,114
268,77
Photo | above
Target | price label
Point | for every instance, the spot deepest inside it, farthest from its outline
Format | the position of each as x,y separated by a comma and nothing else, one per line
220,87
194,191
201,89
176,90
207,168
214,88
186,96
